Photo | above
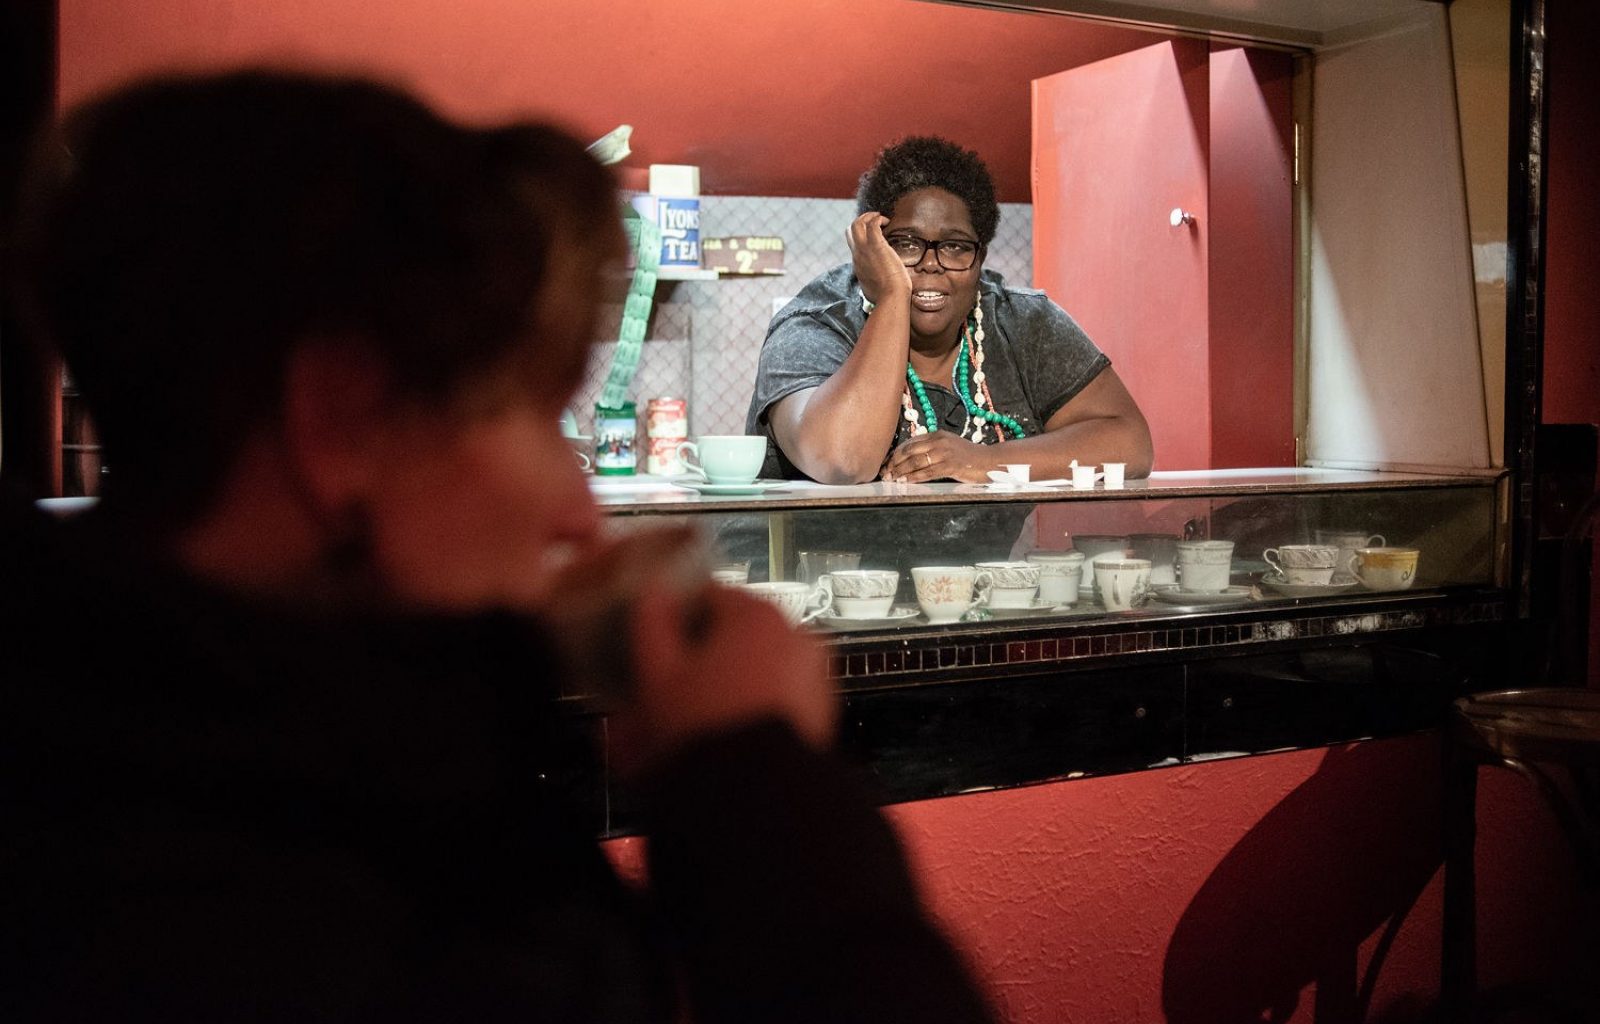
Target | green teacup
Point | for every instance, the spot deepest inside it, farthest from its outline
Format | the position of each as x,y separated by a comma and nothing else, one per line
725,458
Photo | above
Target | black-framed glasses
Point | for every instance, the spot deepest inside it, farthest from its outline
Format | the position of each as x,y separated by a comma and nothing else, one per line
950,253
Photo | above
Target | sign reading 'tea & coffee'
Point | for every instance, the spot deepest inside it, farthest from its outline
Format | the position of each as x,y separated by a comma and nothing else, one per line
743,254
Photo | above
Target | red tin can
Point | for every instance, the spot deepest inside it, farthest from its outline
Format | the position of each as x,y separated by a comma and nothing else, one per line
666,427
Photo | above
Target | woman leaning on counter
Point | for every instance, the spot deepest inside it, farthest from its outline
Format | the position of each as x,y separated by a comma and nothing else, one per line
913,363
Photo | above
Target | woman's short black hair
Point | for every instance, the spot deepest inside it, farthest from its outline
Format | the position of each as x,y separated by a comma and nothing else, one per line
180,237
927,161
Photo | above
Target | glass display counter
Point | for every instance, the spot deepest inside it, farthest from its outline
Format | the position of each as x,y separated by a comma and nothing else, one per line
1051,688
890,558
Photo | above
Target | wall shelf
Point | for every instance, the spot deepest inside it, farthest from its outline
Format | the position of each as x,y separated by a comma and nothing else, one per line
686,274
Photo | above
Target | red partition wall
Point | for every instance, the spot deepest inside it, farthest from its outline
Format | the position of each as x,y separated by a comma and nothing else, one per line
1117,145
1251,316
1198,317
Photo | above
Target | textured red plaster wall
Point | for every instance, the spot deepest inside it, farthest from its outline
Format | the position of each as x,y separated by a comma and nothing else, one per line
1219,892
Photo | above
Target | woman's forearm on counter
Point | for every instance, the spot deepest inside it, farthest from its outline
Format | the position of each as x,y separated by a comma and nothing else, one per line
838,432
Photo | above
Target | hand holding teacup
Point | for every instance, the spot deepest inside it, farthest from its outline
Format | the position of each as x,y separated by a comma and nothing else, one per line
638,623
730,662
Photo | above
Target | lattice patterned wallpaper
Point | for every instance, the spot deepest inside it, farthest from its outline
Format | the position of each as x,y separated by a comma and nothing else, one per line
705,336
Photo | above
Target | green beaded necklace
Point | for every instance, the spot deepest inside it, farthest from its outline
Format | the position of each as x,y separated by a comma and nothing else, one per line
928,416
977,412
960,378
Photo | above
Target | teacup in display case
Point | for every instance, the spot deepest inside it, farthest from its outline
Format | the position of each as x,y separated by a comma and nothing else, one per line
956,557
1096,546
1124,583
1383,568
798,602
1012,585
1060,575
947,593
854,594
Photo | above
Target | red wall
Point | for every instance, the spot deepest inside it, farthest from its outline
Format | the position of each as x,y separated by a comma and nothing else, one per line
1117,145
1198,320
1251,254
785,99
1214,893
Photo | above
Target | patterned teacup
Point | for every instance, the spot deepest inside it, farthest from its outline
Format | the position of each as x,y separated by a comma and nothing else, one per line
947,592
1060,574
1013,584
799,602
1347,541
1304,563
732,574
1096,546
1204,565
861,593
1386,568
1124,582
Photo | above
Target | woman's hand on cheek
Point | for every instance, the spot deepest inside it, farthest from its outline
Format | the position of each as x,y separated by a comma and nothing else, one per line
940,455
883,277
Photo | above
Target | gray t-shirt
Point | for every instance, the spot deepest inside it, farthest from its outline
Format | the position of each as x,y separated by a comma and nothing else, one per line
1036,358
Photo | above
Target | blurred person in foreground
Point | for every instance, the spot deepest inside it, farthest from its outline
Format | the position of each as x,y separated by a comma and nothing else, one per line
280,736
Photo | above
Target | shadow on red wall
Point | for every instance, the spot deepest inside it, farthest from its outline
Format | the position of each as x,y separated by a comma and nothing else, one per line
1347,853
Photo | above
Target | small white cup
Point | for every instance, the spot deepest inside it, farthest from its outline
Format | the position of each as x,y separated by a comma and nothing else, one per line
1304,564
799,602
861,593
1115,474
1162,550
1083,478
731,574
947,592
1021,472
1204,566
1060,575
1348,541
811,566
1124,582
1383,568
585,460
1096,546
1013,584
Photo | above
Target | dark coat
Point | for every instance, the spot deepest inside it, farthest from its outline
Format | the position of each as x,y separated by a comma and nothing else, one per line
212,809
